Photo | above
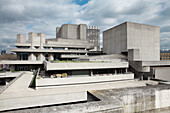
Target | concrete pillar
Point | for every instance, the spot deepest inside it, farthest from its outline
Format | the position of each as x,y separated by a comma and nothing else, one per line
41,57
115,71
91,72
12,68
50,57
141,77
126,70
32,57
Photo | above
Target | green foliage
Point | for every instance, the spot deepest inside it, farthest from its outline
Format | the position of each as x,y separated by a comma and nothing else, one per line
33,82
2,71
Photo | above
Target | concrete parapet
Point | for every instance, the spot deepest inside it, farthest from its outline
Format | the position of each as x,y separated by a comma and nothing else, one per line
49,82
76,66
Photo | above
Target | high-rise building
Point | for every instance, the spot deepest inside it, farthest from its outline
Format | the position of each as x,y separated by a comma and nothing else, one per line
93,36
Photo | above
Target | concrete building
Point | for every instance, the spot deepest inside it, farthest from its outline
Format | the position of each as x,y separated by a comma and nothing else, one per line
70,62
72,53
139,40
141,45
93,36
71,42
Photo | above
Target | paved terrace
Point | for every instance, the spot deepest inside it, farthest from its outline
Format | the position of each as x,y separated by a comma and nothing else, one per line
18,95
148,99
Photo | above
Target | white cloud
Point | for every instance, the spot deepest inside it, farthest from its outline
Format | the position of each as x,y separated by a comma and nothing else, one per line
45,15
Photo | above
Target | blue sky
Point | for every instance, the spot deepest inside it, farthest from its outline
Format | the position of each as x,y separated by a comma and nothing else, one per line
43,16
81,2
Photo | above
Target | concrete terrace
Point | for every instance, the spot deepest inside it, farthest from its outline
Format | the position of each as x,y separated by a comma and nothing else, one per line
18,95
123,100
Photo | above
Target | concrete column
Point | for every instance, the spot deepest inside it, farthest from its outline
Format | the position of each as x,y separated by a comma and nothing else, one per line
32,57
41,57
115,71
12,68
141,77
126,70
91,72
50,57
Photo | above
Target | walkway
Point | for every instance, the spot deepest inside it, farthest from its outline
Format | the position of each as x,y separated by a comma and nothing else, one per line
18,95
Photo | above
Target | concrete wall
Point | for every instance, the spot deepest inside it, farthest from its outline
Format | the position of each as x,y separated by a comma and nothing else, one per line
162,73
129,35
146,38
21,38
36,39
83,32
134,55
42,39
57,32
71,31
115,40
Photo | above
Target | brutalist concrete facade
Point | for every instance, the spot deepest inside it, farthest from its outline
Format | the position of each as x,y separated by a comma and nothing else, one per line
141,44
71,42
144,39
72,31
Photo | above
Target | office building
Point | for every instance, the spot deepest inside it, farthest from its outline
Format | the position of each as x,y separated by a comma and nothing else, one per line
165,54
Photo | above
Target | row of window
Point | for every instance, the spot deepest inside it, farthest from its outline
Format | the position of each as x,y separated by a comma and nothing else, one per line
165,58
168,54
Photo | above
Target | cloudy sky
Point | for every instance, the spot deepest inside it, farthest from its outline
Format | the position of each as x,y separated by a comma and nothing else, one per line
24,16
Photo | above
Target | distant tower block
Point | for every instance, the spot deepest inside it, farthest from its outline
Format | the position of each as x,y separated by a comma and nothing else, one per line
21,38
